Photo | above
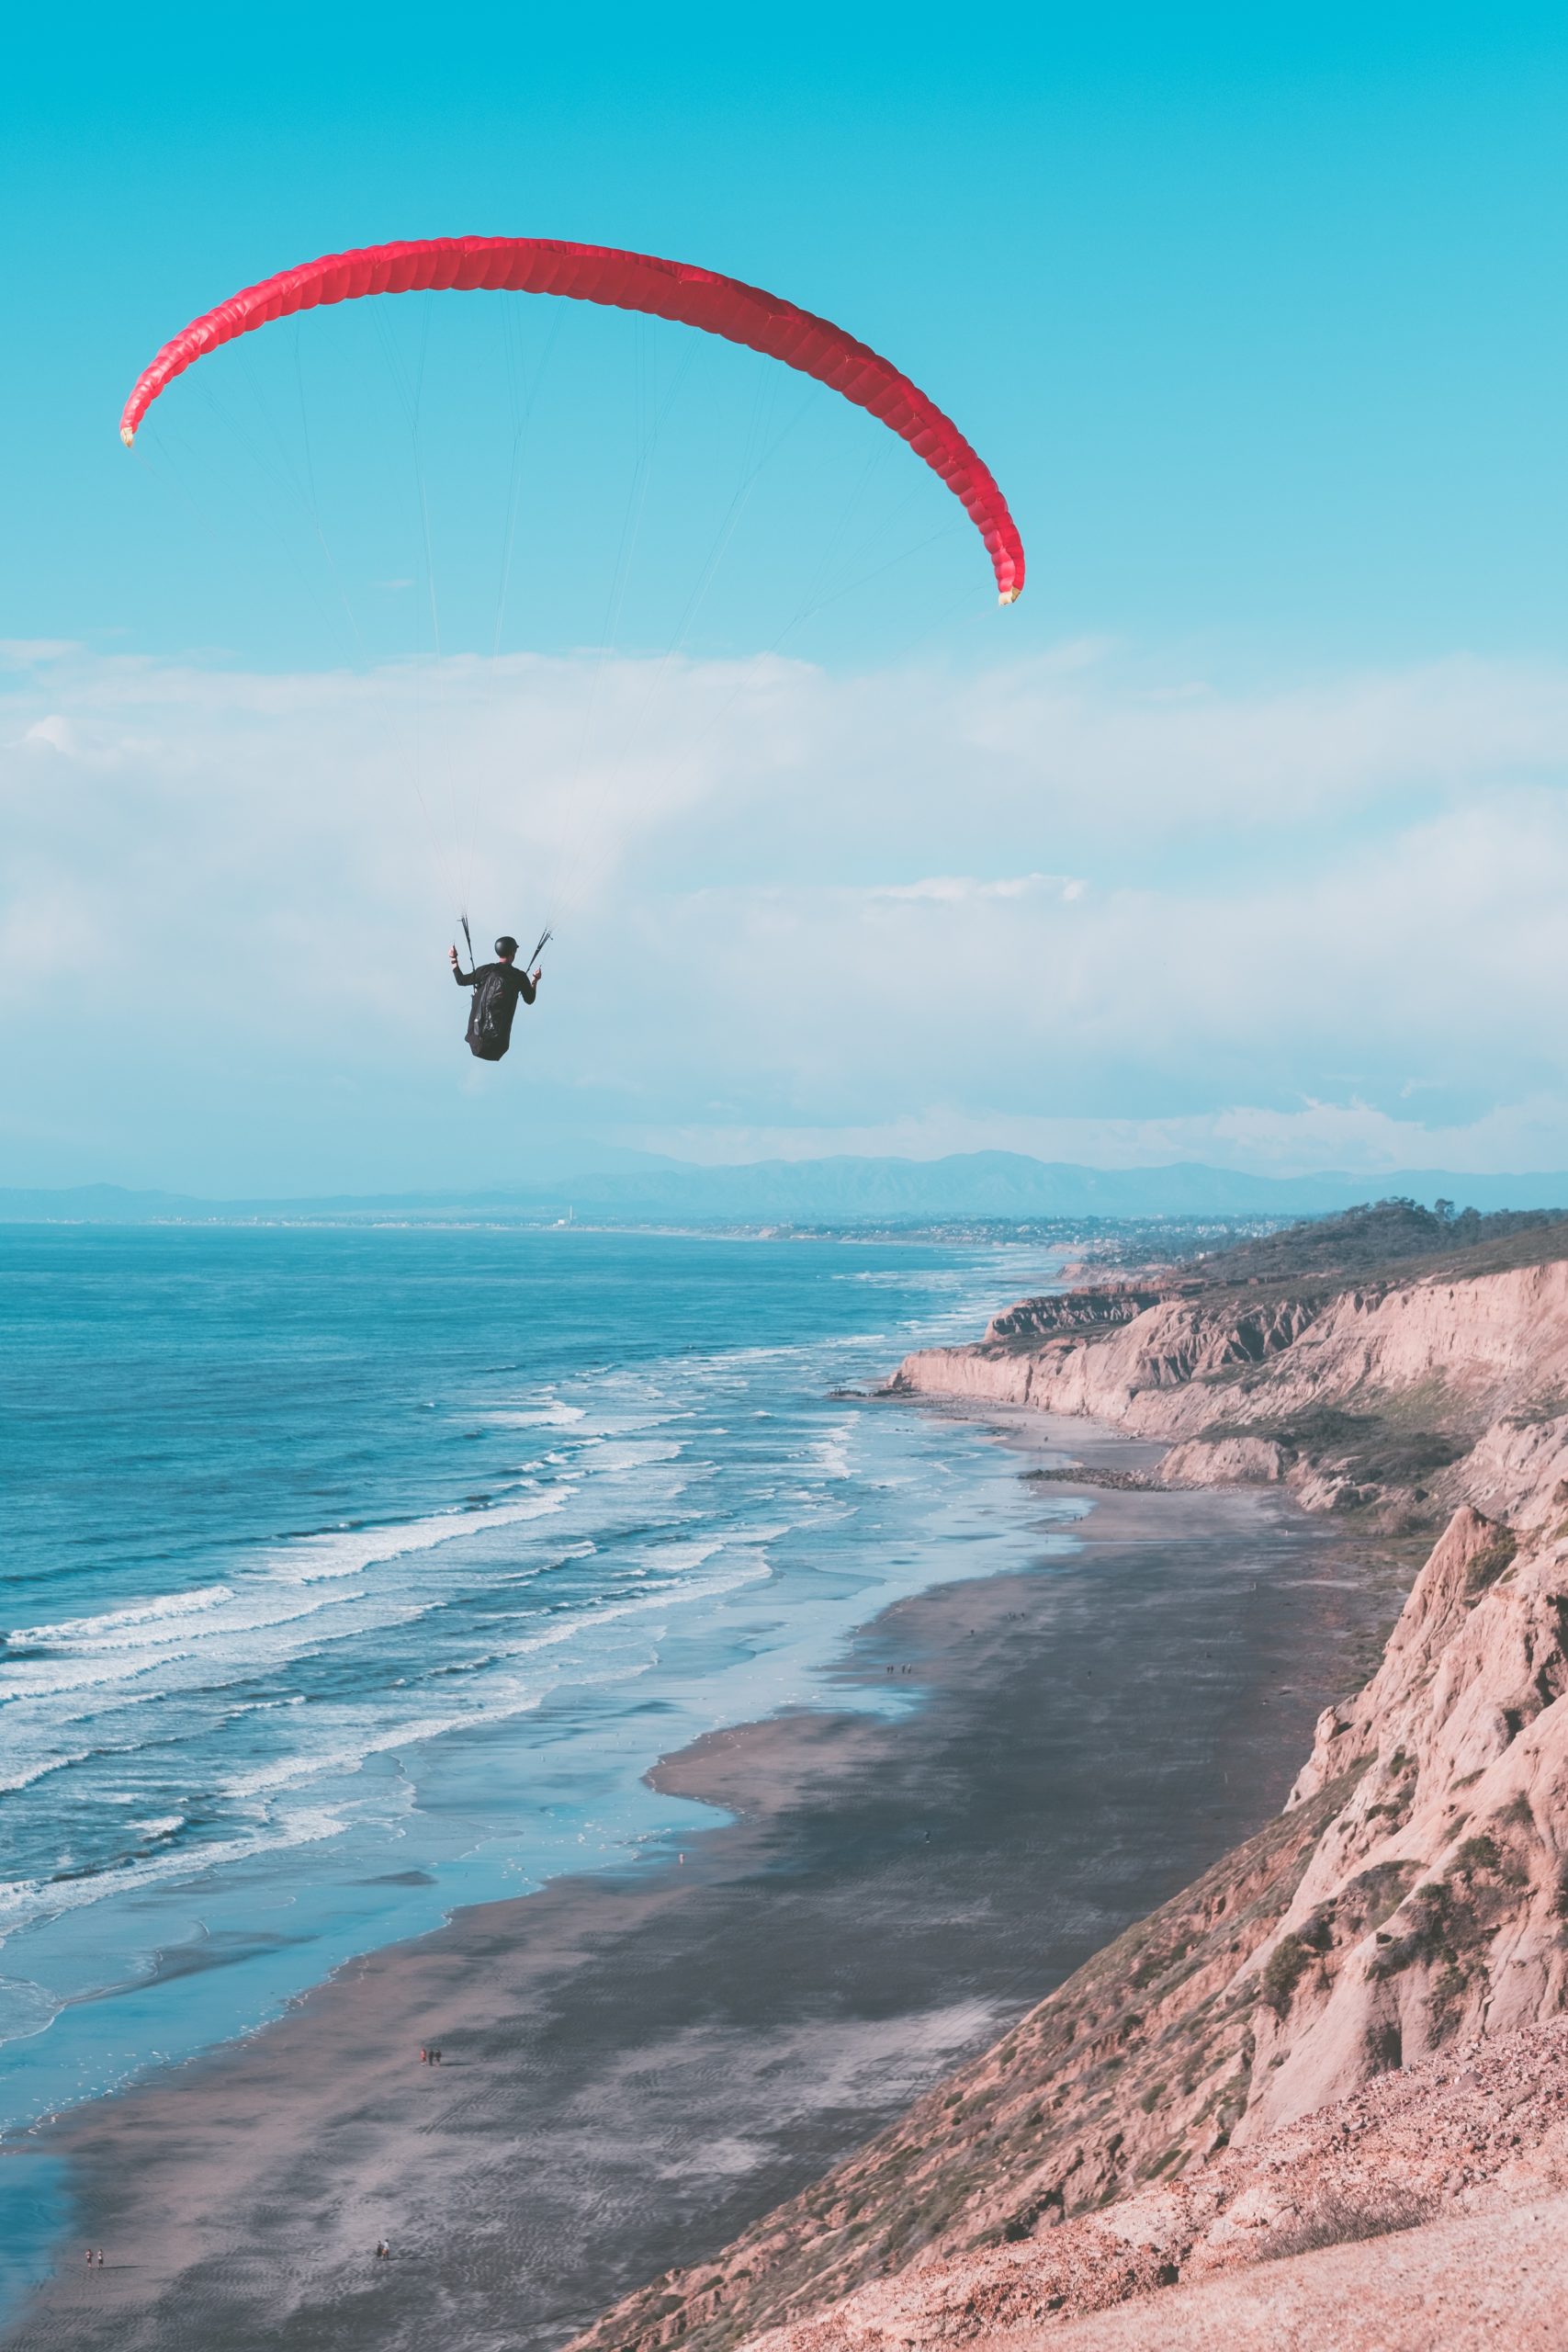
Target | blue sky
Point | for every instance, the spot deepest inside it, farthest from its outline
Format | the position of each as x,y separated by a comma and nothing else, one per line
1241,838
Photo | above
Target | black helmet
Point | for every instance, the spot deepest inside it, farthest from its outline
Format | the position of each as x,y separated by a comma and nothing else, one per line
505,946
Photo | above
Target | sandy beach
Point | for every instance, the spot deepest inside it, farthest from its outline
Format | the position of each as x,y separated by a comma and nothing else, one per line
636,2065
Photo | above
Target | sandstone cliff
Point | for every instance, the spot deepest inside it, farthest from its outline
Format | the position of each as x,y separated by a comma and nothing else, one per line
1351,2025
1410,1394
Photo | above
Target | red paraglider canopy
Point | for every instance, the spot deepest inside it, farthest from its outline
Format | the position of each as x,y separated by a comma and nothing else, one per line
668,290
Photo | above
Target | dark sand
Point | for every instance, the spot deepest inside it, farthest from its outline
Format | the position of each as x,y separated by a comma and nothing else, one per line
636,2066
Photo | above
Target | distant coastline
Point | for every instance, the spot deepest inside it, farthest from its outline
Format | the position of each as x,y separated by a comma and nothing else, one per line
846,1191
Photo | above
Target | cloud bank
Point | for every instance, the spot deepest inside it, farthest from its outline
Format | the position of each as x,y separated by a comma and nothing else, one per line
1082,905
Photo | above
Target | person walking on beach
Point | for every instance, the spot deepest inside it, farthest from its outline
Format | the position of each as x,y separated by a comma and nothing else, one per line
497,988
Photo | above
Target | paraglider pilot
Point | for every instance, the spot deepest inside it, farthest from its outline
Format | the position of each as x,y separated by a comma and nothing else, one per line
496,988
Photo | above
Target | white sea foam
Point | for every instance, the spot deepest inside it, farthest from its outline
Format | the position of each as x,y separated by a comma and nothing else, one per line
124,1644
313,1558
687,1553
509,1697
71,1631
22,1900
604,1456
193,1648
830,1451
165,1827
25,2008
25,1775
725,1360
224,1642
535,1416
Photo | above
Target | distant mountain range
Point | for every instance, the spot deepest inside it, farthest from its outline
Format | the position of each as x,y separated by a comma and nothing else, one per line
966,1186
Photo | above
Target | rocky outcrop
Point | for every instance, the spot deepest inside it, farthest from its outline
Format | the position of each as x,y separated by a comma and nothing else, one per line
1225,1462
1091,1309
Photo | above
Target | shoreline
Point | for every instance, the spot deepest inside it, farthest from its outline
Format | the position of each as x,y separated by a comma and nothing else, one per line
569,1588
638,2063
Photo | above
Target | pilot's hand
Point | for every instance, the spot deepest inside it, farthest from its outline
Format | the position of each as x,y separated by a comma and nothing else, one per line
538,972
452,957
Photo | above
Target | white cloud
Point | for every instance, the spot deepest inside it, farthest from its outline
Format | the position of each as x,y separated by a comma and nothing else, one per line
1270,757
962,890
52,734
1316,1137
31,653
793,906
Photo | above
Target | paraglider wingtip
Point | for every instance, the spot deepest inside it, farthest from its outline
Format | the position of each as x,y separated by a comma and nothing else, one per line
127,434
1010,595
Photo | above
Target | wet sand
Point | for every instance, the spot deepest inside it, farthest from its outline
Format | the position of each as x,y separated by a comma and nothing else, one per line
637,2065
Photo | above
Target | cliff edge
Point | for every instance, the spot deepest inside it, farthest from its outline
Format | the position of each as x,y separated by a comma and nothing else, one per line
1352,2027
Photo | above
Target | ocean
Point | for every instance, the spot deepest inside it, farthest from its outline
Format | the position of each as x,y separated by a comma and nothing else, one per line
353,1575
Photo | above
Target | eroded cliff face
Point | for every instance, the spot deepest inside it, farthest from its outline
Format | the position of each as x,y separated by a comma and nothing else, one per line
1456,1835
1472,2134
1345,2006
1424,1393
1138,1372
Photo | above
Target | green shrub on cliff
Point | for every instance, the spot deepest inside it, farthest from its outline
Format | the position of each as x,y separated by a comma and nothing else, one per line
1493,1559
1287,1964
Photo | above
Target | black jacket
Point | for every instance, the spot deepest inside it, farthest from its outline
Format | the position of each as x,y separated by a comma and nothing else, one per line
496,988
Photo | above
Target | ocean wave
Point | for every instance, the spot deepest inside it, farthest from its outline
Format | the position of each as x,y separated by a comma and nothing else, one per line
313,1559
553,1416
603,1455
723,1362
25,2008
71,1630
830,1451
509,1700
40,1770
24,1900
123,1645
225,1642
